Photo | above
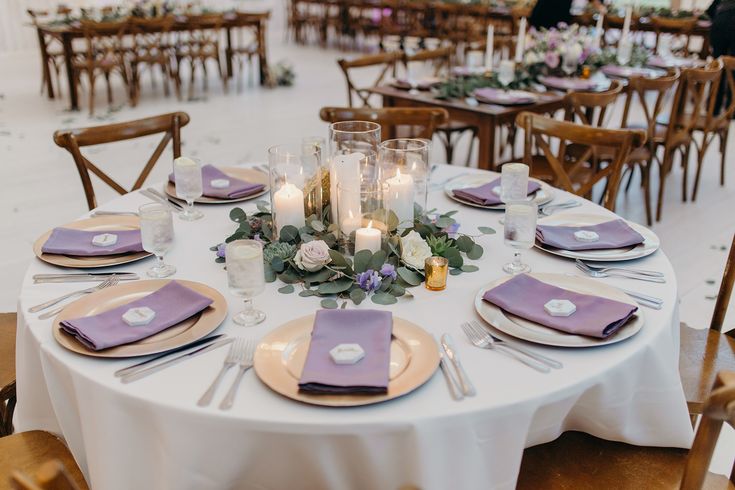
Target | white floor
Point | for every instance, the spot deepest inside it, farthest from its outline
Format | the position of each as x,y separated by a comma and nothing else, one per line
41,188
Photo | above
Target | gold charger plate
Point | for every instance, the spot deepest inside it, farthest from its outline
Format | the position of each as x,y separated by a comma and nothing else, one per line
247,174
100,223
533,332
280,357
191,329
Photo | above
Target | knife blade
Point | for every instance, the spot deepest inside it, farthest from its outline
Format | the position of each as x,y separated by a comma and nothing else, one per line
171,362
166,199
84,277
464,381
141,365
455,393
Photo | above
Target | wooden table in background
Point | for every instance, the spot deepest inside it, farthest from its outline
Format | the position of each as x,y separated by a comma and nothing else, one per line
486,117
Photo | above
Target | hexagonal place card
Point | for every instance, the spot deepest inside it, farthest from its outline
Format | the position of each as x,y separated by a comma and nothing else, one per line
560,307
104,240
137,317
220,183
586,236
347,353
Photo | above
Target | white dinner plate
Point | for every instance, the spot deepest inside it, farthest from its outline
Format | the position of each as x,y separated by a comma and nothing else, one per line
533,332
542,196
650,244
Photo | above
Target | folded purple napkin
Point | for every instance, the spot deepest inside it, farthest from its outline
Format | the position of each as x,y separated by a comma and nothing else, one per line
525,297
238,188
498,96
628,71
484,195
421,84
563,83
173,303
371,329
66,241
612,234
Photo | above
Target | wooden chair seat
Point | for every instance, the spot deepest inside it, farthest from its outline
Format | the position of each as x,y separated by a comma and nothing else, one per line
578,461
26,452
8,323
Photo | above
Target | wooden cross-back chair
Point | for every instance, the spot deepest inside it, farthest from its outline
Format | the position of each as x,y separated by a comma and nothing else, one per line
576,173
8,325
713,124
677,28
420,122
198,45
387,63
440,59
151,48
73,140
705,352
52,53
591,108
577,460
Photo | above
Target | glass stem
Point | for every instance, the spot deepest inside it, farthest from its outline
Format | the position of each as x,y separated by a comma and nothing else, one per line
159,263
189,206
517,260
248,305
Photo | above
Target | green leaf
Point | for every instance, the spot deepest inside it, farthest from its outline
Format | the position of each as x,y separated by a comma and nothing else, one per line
384,299
377,260
270,274
238,215
335,287
344,305
288,233
220,260
454,257
306,238
289,277
476,252
444,222
278,265
451,213
470,268
357,296
362,259
307,293
214,248
318,226
486,230
338,260
287,289
318,276
397,290
411,277
235,236
455,272
329,304
465,243
262,206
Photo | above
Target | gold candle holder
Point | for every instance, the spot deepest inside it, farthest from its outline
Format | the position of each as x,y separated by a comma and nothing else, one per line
436,269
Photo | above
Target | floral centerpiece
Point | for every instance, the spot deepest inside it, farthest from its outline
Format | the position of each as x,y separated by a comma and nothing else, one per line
308,258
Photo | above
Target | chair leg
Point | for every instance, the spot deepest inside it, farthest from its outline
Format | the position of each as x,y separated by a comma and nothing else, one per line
700,162
630,171
685,169
662,184
91,94
473,136
109,88
646,178
723,151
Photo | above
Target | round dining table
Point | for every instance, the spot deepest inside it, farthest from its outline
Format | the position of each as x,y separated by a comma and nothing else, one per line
151,434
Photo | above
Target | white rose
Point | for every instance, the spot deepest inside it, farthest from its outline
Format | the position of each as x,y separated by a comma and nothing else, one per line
414,250
532,58
312,256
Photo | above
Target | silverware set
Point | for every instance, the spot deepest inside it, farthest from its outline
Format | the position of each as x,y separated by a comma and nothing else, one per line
99,212
244,358
549,209
160,197
645,300
638,274
109,282
83,277
480,337
459,383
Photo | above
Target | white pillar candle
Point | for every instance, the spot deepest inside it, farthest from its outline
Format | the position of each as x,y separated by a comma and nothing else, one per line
288,204
345,169
368,239
351,223
598,30
626,23
400,198
520,45
489,46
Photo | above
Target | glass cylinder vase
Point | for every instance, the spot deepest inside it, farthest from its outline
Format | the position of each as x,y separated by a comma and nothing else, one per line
362,219
404,171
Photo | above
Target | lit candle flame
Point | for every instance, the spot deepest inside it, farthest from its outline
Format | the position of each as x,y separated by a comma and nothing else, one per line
370,224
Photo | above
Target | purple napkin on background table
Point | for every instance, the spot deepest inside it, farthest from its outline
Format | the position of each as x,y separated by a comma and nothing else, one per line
66,241
484,195
238,188
499,96
173,303
563,83
628,71
525,297
613,234
369,328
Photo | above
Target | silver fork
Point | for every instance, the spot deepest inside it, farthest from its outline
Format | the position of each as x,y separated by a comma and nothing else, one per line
549,209
246,362
236,351
642,272
483,341
100,212
630,275
498,341
109,282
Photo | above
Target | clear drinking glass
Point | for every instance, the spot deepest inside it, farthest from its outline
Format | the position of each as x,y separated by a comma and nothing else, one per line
569,64
514,182
188,175
157,233
404,168
246,278
506,72
519,232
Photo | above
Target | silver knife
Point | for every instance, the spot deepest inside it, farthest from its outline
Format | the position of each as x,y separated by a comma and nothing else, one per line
451,383
171,362
164,198
142,365
84,277
464,381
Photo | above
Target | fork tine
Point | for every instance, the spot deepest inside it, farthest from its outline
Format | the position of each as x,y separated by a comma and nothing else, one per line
471,335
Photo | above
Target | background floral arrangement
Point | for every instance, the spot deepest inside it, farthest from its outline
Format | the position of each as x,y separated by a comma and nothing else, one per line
308,257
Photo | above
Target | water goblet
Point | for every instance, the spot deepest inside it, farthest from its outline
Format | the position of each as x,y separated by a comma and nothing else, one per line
188,175
514,182
519,232
506,73
246,278
569,63
157,234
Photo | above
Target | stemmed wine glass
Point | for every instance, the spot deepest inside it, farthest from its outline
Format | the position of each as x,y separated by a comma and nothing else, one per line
246,277
157,234
519,232
188,176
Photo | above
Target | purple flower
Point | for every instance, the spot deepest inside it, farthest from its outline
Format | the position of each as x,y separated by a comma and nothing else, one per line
388,270
552,59
452,230
221,250
369,280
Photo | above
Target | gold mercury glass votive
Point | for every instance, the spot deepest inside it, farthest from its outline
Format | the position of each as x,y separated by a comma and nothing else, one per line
436,269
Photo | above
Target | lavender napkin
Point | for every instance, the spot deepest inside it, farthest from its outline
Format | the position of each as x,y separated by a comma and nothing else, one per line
525,297
369,328
612,234
66,241
237,188
173,303
628,71
484,195
562,83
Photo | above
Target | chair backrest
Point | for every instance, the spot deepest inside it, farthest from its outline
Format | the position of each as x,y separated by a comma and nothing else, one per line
677,27
542,132
440,58
421,121
723,297
719,408
104,39
150,35
652,94
728,80
590,108
75,139
386,61
52,475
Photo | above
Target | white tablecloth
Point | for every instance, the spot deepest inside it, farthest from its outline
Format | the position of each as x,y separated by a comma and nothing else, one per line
151,434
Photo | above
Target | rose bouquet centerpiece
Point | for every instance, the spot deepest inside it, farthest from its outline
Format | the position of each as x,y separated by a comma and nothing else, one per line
562,50
308,258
